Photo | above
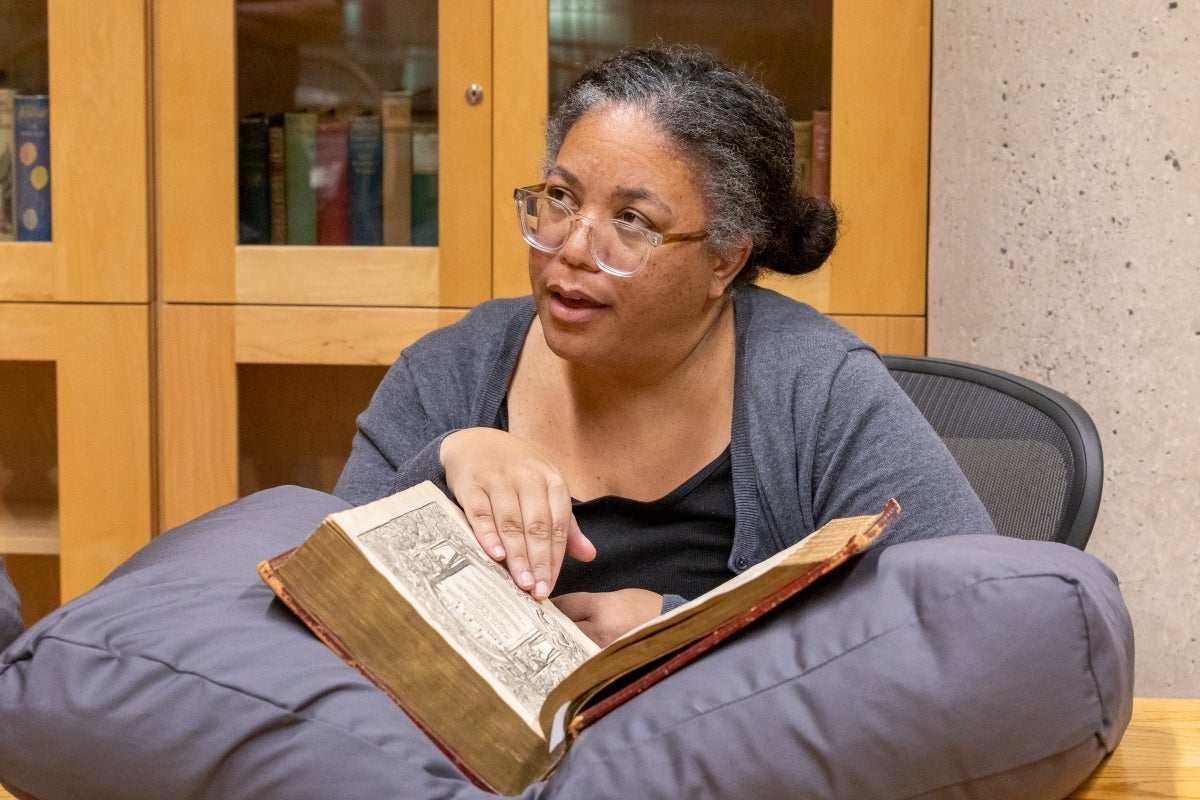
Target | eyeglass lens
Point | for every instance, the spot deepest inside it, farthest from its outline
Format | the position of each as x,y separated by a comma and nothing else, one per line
617,246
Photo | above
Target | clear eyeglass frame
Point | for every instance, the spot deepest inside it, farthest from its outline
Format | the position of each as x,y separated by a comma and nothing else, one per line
527,195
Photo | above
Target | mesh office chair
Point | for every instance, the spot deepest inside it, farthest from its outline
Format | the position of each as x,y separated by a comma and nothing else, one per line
1032,454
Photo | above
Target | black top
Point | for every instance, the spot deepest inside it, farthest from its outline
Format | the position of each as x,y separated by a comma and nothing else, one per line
678,544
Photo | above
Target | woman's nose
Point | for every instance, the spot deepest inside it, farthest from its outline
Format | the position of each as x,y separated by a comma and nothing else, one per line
577,249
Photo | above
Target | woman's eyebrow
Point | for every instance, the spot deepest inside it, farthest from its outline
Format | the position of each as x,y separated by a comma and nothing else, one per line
627,193
564,174
623,194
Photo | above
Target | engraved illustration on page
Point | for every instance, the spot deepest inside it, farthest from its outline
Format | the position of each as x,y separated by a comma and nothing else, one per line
473,598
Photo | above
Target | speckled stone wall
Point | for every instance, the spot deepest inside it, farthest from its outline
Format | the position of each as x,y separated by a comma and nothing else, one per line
1065,191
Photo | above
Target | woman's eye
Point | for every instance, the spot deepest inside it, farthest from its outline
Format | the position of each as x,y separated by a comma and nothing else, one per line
634,218
564,197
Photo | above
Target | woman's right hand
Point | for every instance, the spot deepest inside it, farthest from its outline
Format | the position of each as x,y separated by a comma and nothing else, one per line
517,503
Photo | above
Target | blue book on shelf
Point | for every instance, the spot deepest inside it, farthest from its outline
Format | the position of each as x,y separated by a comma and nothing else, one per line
31,135
366,180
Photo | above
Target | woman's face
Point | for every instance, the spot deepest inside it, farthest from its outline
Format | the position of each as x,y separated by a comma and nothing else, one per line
616,164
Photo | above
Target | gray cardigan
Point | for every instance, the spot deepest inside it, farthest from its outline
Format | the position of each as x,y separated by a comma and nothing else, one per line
820,429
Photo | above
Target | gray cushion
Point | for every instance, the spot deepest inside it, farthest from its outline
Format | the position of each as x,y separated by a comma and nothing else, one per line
10,610
961,667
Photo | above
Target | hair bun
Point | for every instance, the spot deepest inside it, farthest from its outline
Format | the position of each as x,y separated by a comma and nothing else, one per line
808,235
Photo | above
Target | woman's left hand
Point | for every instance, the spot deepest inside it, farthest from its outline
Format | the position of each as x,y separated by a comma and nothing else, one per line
605,616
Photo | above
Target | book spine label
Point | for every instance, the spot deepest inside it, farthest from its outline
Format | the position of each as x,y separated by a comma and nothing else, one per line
425,185
396,117
333,181
300,154
8,168
31,136
366,180
254,185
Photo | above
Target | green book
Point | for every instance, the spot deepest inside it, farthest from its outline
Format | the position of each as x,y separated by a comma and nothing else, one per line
300,158
425,185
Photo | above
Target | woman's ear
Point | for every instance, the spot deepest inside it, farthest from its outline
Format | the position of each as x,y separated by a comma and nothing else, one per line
728,267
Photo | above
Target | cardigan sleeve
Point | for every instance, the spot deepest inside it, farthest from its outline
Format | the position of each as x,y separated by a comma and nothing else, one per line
397,443
873,443
452,378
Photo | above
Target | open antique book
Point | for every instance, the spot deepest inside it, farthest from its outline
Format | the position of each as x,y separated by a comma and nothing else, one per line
401,590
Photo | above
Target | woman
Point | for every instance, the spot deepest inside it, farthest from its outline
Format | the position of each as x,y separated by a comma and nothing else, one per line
649,423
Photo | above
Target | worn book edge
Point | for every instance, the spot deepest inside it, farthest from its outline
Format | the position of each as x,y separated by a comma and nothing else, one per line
266,570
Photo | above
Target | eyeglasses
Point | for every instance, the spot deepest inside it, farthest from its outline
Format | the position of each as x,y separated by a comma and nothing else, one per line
619,248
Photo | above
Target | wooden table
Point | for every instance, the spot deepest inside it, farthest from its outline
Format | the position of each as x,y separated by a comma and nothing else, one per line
1159,756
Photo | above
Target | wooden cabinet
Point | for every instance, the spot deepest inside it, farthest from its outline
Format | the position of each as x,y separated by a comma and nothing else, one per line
75,388
228,307
187,369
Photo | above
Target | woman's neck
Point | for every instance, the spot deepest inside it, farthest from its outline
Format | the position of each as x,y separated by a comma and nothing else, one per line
683,365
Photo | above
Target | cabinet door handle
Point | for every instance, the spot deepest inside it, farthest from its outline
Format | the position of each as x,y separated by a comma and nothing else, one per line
474,94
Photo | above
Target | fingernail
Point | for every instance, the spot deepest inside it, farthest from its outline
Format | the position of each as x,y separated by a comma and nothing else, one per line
526,579
541,591
498,553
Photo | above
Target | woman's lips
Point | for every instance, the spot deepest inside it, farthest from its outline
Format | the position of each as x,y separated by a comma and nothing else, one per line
573,306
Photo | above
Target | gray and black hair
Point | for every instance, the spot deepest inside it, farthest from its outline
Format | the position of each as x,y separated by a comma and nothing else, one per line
737,135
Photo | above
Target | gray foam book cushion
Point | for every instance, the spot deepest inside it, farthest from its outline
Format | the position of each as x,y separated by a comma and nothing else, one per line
974,666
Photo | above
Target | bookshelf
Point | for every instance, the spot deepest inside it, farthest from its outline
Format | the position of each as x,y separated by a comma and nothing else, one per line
75,460
180,364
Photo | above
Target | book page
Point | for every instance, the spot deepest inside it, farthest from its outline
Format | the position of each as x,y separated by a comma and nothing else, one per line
522,646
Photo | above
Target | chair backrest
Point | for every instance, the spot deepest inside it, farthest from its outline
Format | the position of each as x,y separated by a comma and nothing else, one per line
1031,453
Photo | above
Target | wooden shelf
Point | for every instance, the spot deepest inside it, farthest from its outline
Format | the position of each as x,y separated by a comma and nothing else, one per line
29,528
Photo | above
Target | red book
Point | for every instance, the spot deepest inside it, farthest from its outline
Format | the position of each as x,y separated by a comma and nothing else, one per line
333,180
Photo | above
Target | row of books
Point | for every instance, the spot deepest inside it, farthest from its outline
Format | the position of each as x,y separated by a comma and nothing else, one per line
335,177
24,166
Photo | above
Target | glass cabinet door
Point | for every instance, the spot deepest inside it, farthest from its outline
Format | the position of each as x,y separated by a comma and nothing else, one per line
73,216
855,80
785,44
354,142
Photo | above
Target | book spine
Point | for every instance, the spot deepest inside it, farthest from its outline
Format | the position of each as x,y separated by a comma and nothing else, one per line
254,186
31,138
366,180
425,185
803,130
333,181
822,148
277,166
396,117
300,154
8,168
